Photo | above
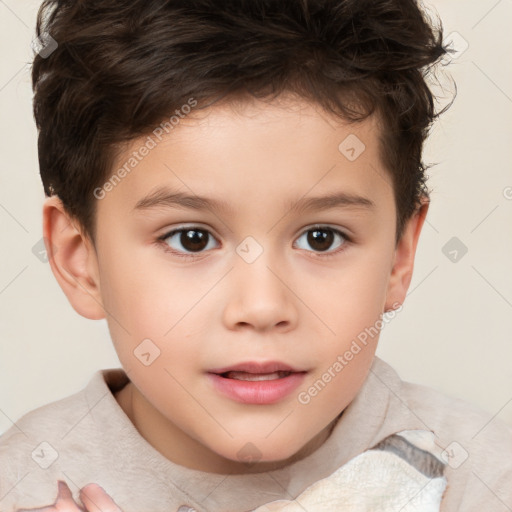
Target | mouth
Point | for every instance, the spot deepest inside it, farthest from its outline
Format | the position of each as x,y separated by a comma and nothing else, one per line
257,383
256,368
254,376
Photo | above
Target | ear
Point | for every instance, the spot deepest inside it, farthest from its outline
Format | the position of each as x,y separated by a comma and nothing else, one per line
405,252
73,260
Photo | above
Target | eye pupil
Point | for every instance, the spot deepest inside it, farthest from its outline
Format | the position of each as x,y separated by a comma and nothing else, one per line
194,239
323,237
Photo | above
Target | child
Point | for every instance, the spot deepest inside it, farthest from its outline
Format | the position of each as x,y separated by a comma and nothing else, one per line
249,379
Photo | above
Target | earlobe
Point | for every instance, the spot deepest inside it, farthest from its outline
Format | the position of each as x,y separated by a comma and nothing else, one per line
72,258
405,252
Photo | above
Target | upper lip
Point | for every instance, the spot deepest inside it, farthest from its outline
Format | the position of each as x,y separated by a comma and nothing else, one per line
257,367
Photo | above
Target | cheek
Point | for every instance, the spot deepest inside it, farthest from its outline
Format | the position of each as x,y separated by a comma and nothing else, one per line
351,306
145,292
352,297
148,302
343,358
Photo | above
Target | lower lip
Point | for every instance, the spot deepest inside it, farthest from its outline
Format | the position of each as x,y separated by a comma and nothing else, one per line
259,392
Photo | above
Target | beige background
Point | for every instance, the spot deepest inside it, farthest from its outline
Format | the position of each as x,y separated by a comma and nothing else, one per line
454,331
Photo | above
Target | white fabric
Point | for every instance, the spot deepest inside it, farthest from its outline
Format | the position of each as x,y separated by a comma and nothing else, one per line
375,481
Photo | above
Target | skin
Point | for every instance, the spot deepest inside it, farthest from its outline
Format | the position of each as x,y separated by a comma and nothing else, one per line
292,304
93,497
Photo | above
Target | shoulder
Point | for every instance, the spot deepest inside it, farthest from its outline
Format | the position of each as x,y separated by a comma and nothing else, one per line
475,445
28,449
36,447
457,421
448,417
55,416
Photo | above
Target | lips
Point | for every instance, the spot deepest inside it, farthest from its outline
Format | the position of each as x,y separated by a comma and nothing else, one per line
257,383
255,376
254,367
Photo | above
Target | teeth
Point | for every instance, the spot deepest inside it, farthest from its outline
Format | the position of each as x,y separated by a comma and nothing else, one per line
255,376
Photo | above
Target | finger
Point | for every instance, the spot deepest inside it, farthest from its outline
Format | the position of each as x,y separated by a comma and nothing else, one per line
96,499
65,501
63,494
64,491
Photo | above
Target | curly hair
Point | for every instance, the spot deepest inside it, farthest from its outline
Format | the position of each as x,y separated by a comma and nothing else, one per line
121,66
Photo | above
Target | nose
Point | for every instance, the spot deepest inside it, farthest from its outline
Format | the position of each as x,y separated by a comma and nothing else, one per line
261,295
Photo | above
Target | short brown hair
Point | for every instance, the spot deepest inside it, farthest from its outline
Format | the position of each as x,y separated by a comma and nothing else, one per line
121,66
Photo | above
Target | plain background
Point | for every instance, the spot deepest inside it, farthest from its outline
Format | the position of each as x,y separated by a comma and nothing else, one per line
453,333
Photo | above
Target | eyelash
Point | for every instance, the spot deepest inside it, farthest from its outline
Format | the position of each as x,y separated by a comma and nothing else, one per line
161,240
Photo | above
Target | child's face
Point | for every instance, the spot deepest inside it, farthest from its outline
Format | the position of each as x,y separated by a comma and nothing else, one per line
260,286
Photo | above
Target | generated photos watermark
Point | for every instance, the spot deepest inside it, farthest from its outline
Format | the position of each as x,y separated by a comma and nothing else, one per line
151,142
342,360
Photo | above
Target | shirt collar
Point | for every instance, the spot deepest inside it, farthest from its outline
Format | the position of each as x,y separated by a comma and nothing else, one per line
376,412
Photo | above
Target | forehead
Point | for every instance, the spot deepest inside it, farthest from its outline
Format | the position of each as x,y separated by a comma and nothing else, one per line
285,149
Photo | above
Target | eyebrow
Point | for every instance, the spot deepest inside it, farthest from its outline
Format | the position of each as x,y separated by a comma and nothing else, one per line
163,198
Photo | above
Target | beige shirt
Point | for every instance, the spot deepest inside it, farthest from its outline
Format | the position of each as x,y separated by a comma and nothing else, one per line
87,437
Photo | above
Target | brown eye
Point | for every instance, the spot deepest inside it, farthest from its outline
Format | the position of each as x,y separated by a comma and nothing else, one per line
187,240
321,239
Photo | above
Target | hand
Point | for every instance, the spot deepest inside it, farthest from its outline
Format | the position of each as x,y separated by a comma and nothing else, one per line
92,496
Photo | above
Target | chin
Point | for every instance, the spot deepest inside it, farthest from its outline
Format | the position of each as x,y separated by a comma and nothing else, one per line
254,453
